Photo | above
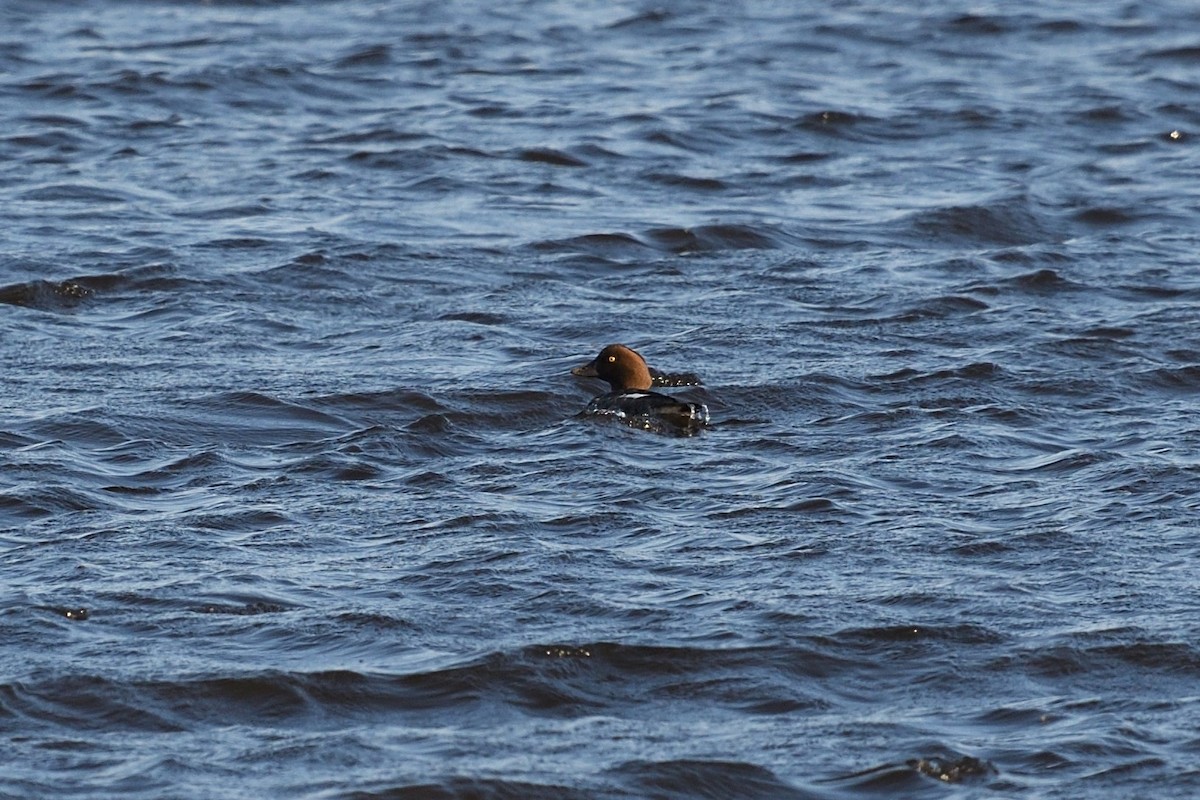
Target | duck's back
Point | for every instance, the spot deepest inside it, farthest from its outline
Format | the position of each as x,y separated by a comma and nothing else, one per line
635,403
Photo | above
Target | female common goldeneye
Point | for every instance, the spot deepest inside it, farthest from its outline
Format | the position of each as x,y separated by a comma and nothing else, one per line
631,399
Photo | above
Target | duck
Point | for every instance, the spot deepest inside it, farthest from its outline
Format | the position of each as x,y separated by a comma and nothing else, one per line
631,400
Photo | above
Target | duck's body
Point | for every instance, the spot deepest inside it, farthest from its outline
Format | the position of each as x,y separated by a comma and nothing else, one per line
633,404
631,399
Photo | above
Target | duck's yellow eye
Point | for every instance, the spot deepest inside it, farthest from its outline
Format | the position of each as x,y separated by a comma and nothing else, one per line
611,359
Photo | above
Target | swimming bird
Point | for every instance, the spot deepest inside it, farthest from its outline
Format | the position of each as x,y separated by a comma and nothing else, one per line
631,400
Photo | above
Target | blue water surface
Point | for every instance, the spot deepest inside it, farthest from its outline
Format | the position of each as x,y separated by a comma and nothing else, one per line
296,499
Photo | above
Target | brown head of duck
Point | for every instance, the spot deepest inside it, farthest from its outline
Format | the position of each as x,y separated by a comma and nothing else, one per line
622,367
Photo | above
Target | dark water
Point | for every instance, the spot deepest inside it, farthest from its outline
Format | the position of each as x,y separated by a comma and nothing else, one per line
294,498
